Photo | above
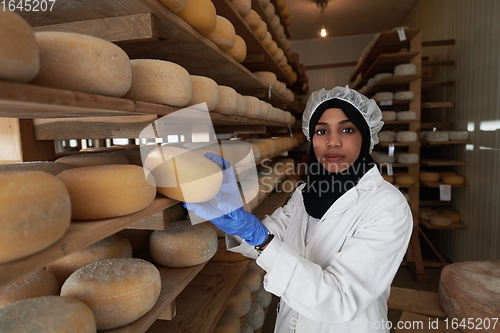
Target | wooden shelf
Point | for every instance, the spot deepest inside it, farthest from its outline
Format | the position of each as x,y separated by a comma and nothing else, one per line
397,144
436,184
453,226
393,102
391,81
400,122
437,105
424,203
398,165
442,163
445,143
202,302
78,236
171,39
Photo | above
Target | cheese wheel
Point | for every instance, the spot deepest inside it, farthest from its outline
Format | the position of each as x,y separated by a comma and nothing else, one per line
229,322
46,166
389,115
180,174
205,90
261,30
138,238
447,173
453,180
267,78
380,76
200,14
407,158
253,107
405,69
174,5
224,35
159,81
241,301
440,220
406,115
427,176
404,180
183,244
273,49
425,213
114,246
267,41
388,178
47,314
406,136
256,316
253,19
269,11
93,159
242,106
384,96
404,96
242,6
280,88
118,291
246,328
82,63
458,135
437,136
19,54
387,136
100,192
36,284
370,82
379,157
35,211
228,100
252,279
454,216
263,298
239,51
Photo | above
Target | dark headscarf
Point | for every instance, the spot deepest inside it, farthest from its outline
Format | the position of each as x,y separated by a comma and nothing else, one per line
323,188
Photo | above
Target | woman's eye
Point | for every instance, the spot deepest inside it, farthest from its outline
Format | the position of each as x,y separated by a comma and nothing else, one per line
320,131
348,130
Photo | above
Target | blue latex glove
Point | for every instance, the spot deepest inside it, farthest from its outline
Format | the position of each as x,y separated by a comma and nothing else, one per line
225,210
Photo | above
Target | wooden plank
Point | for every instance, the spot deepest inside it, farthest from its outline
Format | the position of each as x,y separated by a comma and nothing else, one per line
335,65
445,143
390,81
437,105
415,323
202,302
418,301
78,236
18,143
157,221
436,184
127,28
169,312
453,226
442,162
442,42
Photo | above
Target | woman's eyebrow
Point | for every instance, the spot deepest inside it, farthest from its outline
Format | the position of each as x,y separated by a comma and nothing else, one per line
340,122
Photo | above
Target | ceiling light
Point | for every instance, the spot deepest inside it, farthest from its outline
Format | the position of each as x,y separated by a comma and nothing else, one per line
323,32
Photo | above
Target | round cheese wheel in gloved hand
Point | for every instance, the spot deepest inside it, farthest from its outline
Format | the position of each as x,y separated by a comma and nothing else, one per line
35,212
200,14
19,54
118,291
106,191
183,175
82,63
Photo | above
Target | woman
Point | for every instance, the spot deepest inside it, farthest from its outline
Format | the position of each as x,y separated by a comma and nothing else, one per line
332,251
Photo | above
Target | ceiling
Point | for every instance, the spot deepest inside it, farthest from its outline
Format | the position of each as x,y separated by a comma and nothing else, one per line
347,17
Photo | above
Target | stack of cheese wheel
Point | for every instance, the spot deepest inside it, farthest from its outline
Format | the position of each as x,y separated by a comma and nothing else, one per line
426,212
114,246
229,322
253,107
440,220
82,63
27,229
224,35
93,159
106,191
200,14
183,244
228,101
45,166
159,81
47,314
252,279
453,215
246,328
19,54
180,173
241,301
205,90
36,284
263,298
404,179
255,316
118,291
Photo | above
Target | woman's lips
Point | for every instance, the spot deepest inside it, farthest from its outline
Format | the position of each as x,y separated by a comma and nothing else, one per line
333,157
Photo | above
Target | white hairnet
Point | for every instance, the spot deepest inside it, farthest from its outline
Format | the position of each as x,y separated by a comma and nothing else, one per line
367,107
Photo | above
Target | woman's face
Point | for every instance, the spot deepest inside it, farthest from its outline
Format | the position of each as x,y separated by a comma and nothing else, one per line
336,141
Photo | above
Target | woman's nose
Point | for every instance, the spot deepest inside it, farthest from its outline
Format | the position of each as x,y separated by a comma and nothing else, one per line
333,140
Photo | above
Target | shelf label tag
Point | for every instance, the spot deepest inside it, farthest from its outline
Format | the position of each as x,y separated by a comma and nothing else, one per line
445,192
269,91
389,169
401,34
391,150
290,130
389,102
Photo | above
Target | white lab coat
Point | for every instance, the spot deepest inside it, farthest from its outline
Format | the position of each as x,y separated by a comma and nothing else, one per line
339,280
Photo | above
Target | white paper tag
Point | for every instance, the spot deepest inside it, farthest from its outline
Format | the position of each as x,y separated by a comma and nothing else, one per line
401,34
269,91
391,149
445,192
386,102
389,170
290,130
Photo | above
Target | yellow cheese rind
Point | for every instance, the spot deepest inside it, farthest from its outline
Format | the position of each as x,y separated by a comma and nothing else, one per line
93,159
404,180
428,176
159,81
205,90
82,63
174,5
180,174
228,100
224,35
36,284
46,166
183,244
100,192
440,220
453,180
114,246
35,211
200,14
19,54
239,50
253,19
454,216
118,291
47,314
242,6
